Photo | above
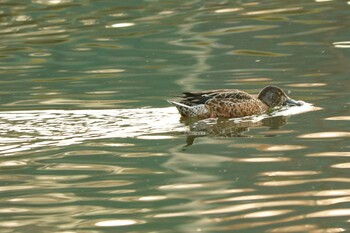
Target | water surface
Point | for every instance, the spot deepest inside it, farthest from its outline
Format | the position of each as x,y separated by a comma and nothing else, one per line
88,142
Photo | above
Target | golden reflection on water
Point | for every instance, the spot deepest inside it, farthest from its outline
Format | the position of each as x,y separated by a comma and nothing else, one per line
326,135
13,210
305,181
307,84
81,166
306,228
330,213
257,205
268,213
339,118
133,199
228,10
261,159
289,173
104,71
259,214
329,154
342,44
15,187
252,80
103,184
181,186
120,25
118,144
155,137
45,198
341,165
142,154
117,222
51,2
272,11
267,147
12,224
13,163
152,198
323,193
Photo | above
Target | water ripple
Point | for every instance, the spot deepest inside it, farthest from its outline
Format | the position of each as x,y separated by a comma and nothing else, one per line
62,128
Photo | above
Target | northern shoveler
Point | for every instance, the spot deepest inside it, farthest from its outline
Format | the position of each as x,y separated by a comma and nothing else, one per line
231,103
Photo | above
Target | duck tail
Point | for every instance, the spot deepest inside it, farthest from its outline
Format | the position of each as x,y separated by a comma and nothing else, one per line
190,111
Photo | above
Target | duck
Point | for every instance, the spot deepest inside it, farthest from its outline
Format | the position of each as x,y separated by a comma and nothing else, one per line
231,103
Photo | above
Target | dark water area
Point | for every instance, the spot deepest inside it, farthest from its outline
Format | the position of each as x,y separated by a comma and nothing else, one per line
88,142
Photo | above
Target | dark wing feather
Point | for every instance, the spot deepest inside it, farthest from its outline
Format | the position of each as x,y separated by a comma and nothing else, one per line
195,98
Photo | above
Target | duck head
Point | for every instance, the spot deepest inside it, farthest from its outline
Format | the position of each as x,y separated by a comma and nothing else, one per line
273,96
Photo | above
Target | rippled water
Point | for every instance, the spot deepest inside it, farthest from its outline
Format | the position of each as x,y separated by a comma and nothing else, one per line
88,142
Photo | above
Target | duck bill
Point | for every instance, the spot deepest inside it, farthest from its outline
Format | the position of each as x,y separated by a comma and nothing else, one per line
291,102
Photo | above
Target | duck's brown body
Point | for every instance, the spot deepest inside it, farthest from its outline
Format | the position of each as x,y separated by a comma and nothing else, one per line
230,103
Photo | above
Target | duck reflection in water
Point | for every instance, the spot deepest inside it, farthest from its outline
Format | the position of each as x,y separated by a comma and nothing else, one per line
227,127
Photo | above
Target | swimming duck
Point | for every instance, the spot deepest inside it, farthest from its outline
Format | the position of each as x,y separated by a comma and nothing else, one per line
231,103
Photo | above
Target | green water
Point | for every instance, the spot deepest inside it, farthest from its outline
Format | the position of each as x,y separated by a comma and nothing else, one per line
88,142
